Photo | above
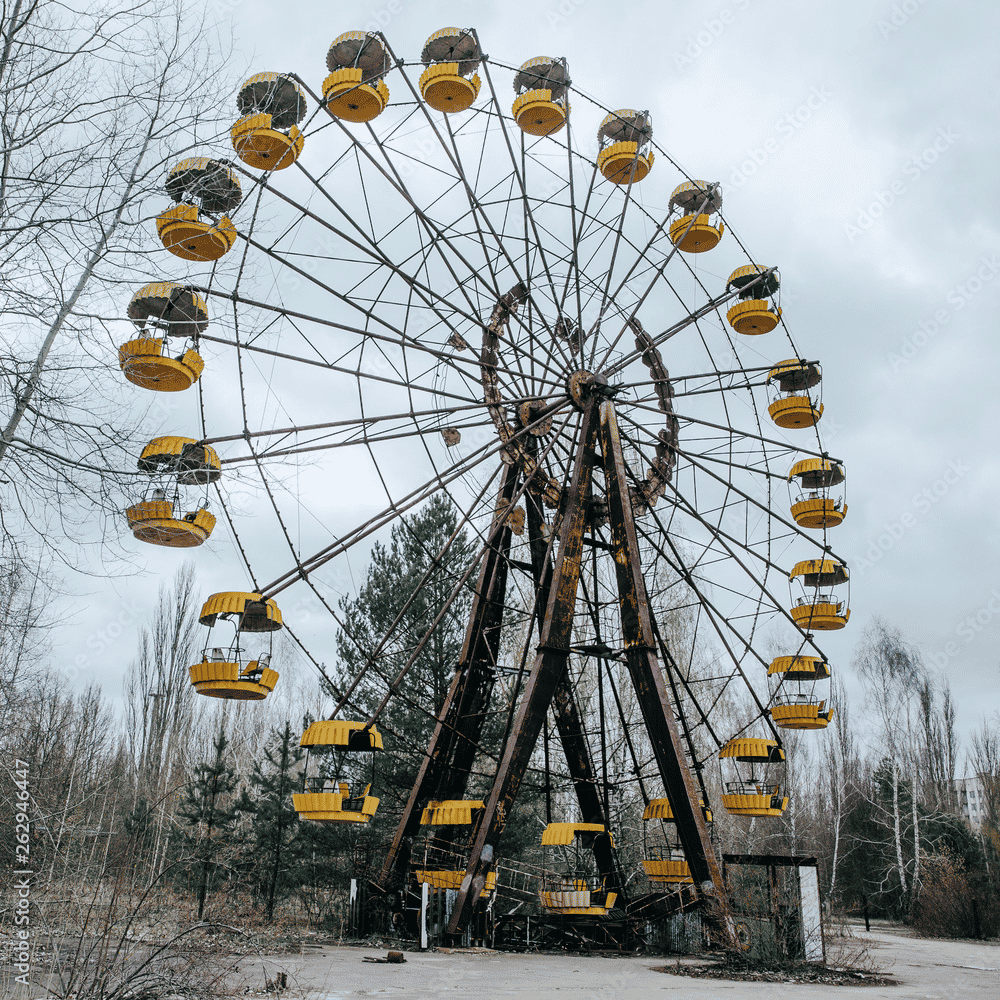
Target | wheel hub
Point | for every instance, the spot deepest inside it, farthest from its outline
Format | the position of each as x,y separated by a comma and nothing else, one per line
581,384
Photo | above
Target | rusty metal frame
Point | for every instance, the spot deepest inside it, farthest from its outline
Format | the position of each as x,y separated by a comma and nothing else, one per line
567,715
444,770
646,673
546,672
549,673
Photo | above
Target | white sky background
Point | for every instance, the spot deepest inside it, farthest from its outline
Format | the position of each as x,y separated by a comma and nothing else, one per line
877,201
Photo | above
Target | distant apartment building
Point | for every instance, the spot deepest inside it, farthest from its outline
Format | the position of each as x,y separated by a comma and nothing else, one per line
971,801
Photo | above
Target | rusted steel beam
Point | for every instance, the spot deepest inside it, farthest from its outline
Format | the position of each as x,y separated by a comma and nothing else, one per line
444,770
567,716
546,671
647,678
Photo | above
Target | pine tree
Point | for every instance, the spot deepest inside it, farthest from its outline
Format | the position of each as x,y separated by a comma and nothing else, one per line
274,824
209,814
393,575
139,828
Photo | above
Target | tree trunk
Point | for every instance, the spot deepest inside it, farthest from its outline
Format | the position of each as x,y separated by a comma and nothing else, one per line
838,809
915,882
897,832
273,885
203,888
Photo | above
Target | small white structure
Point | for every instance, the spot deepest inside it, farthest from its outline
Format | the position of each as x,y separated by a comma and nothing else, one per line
812,918
971,800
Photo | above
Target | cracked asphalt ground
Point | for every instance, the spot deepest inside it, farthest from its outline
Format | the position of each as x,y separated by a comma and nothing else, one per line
924,969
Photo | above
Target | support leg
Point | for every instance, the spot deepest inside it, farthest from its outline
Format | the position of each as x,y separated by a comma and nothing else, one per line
445,768
647,677
546,671
568,724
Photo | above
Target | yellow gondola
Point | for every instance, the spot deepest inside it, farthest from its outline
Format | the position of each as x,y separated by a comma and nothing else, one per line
450,83
625,137
667,868
158,522
793,406
355,90
251,612
666,864
696,231
542,103
820,610
799,668
266,134
573,895
224,671
751,795
343,735
200,185
221,679
172,462
330,801
801,708
660,809
813,507
453,880
449,813
175,311
188,461
144,364
575,898
328,806
754,314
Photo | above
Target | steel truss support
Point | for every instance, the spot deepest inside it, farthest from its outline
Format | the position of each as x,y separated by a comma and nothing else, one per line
546,672
550,668
444,771
647,675
567,715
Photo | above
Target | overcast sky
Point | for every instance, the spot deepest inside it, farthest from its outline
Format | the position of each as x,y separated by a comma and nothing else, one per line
857,146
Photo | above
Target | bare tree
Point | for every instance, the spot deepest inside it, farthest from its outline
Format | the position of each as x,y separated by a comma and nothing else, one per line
159,702
24,624
892,675
985,761
939,749
841,768
95,101
72,752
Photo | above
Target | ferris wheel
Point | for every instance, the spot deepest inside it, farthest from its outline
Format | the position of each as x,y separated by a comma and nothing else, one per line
458,277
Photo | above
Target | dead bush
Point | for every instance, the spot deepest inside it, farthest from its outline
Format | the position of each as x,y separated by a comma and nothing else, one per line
954,903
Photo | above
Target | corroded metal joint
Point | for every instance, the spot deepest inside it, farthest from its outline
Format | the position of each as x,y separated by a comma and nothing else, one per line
582,384
534,412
